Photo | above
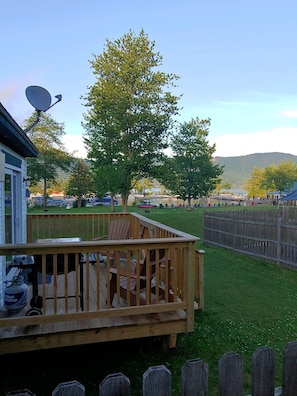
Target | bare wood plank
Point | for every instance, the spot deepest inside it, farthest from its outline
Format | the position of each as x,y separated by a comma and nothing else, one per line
290,369
263,372
115,384
156,381
194,378
230,371
89,336
70,388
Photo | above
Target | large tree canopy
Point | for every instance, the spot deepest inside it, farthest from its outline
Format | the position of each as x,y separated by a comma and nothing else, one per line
130,113
52,156
191,173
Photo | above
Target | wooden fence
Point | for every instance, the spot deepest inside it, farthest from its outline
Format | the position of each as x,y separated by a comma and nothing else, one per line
156,380
270,234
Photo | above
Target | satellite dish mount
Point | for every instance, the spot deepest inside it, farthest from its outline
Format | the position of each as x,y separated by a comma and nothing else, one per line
41,100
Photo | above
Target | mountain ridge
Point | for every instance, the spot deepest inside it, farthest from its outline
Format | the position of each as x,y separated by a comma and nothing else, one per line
238,169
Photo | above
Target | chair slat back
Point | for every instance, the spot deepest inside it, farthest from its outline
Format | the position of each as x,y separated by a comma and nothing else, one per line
118,229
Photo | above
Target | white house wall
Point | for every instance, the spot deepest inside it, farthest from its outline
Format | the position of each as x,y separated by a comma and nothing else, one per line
21,235
2,240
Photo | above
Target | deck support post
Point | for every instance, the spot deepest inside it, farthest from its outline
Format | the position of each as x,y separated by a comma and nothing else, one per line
169,342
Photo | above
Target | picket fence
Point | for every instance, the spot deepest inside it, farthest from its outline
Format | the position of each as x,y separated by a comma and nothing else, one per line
194,378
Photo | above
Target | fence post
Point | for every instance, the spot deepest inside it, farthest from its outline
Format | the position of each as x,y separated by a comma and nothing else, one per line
278,236
29,228
115,385
23,392
263,372
234,233
70,388
199,293
156,381
194,378
290,369
230,375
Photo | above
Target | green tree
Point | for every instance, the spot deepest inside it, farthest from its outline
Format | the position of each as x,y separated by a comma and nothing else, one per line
222,186
143,186
280,177
130,113
52,157
59,184
191,173
80,181
254,185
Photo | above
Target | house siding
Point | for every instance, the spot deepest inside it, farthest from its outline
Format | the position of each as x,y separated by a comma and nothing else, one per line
17,164
2,240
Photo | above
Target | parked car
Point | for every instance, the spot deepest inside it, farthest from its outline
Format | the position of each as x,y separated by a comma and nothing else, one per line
101,201
107,201
144,205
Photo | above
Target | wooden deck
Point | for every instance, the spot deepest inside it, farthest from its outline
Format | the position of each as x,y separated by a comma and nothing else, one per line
86,330
69,320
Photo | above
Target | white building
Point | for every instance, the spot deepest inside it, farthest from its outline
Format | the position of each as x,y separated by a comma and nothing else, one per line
15,147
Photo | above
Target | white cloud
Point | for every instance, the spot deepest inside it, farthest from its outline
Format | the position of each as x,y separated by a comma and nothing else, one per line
281,140
74,143
289,113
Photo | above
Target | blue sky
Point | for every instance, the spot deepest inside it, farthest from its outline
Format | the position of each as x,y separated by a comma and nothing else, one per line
236,61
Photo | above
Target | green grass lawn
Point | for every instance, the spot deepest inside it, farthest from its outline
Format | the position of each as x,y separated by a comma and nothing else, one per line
248,303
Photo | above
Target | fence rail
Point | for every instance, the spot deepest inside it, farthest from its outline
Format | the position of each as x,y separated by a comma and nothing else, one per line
156,380
270,234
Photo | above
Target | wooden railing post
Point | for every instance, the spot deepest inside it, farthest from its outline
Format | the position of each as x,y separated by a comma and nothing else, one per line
190,290
199,292
29,229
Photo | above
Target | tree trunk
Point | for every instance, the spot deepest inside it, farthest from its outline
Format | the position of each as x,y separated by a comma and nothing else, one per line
44,193
112,208
124,202
189,204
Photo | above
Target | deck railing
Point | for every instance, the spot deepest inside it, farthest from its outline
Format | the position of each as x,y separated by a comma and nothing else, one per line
86,268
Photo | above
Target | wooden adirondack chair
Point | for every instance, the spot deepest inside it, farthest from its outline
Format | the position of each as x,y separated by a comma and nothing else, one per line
118,229
143,285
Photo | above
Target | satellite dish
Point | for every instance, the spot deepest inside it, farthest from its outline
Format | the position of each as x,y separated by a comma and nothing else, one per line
38,97
41,100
